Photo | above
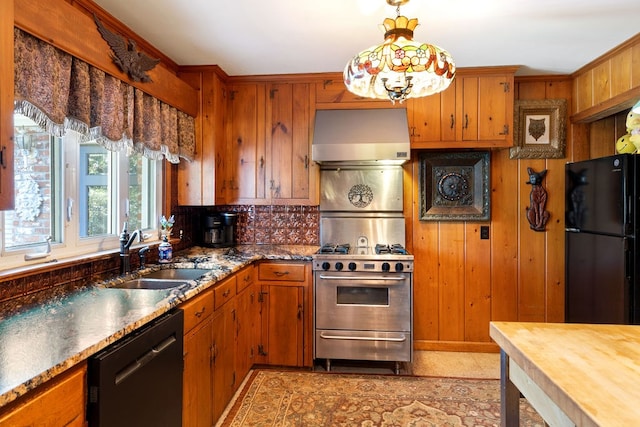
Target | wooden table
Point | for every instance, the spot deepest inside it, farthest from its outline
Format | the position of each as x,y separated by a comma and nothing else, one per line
572,374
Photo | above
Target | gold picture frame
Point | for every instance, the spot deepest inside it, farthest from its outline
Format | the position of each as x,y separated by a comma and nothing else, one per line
539,129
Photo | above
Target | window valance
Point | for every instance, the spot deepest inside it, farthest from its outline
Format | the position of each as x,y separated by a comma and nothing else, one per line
61,92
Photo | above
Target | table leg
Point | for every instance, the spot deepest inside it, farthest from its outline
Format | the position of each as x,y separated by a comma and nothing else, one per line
509,395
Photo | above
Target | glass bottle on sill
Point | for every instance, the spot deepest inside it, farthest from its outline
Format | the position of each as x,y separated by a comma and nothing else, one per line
165,251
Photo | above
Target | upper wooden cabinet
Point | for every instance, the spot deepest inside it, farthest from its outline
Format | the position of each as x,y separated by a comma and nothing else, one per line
291,175
246,155
607,85
6,105
204,181
476,111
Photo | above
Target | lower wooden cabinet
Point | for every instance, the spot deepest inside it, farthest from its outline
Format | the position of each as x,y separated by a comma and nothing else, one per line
260,315
247,322
224,376
59,402
197,398
285,299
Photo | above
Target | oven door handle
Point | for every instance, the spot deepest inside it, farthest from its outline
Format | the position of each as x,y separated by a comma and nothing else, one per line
380,278
351,337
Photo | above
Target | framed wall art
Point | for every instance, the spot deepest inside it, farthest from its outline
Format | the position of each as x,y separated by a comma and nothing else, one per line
454,186
539,129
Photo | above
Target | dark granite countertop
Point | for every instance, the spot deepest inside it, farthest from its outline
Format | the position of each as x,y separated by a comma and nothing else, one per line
45,340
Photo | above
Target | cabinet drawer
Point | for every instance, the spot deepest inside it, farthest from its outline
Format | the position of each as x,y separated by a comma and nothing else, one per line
224,291
245,277
281,271
197,309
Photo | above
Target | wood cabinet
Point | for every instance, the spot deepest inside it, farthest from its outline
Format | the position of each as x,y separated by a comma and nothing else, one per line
285,313
246,152
247,322
6,105
224,376
291,175
475,111
198,375
59,402
607,85
205,180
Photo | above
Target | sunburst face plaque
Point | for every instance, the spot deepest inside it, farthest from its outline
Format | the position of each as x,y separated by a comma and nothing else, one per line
454,186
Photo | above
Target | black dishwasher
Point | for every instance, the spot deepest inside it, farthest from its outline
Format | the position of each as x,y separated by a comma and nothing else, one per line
137,381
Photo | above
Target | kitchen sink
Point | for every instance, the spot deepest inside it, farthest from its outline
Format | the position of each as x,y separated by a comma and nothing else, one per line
163,279
177,274
145,283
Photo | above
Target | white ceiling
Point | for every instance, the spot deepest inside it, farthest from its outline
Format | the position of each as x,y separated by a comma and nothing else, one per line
252,37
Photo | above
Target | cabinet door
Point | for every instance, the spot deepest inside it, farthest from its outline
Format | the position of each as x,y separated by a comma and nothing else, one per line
6,105
203,181
494,108
246,156
291,177
60,402
223,339
248,330
468,108
424,118
197,403
283,324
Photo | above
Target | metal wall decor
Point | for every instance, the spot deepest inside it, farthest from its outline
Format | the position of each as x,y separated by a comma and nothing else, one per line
126,56
454,186
536,213
539,129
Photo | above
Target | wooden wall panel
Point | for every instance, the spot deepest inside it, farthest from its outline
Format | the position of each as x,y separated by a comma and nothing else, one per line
451,249
504,237
477,280
518,274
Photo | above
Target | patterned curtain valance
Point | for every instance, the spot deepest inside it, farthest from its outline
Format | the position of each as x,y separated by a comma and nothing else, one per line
61,92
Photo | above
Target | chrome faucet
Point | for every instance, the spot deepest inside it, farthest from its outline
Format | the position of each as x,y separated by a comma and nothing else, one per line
126,240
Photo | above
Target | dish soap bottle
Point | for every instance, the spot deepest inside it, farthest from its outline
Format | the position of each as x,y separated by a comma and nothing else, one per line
165,251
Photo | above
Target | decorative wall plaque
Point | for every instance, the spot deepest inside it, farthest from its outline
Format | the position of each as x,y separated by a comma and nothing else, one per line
454,186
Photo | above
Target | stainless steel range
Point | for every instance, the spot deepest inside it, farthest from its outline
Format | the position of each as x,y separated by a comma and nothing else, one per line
363,284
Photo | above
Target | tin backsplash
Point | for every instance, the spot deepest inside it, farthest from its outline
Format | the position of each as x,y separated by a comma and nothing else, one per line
275,224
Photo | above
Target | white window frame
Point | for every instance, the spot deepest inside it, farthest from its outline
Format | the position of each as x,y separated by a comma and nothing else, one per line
71,244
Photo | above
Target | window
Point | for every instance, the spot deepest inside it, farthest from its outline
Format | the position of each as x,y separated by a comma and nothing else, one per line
77,193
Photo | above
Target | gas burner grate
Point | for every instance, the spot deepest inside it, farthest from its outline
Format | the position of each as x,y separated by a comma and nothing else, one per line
396,248
330,248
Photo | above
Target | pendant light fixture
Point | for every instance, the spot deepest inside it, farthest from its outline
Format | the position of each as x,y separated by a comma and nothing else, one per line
399,68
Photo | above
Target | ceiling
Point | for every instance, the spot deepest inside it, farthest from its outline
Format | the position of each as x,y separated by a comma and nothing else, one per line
253,37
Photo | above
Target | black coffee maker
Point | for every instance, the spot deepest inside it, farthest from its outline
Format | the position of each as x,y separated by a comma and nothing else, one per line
219,229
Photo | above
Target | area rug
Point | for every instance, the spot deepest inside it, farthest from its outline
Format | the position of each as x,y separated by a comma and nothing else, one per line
311,399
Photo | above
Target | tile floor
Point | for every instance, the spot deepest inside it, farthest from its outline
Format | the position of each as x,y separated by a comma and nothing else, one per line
428,363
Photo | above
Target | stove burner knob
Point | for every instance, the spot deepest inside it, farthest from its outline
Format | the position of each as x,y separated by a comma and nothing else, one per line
386,267
326,266
339,266
352,266
399,267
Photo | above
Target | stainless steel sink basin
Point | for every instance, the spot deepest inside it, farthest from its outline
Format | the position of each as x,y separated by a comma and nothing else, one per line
177,274
145,283
163,279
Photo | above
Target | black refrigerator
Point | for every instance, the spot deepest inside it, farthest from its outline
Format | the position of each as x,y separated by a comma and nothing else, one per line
601,221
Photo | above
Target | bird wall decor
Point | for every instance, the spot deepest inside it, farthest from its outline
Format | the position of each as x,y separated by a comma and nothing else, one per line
126,56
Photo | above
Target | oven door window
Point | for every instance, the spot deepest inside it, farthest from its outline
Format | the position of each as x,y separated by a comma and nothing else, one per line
350,295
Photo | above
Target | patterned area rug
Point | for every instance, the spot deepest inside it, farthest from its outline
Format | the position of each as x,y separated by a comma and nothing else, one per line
277,398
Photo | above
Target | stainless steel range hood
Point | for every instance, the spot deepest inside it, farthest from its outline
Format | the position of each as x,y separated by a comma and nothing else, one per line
379,136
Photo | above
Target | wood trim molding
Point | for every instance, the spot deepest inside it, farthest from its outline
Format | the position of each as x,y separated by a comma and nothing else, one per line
460,346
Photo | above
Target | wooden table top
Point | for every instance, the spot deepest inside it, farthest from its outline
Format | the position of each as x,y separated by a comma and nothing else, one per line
592,372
